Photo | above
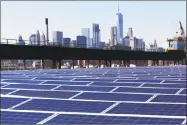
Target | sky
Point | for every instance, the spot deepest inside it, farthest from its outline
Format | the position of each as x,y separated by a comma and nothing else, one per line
149,20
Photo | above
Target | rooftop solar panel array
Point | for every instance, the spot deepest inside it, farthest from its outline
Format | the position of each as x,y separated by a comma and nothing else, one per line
141,95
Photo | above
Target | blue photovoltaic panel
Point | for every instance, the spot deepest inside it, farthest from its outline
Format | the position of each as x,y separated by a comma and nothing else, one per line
111,75
150,80
183,91
170,81
15,78
147,90
66,83
6,91
170,98
114,84
23,81
57,78
85,88
22,117
114,97
165,85
2,85
104,80
47,94
9,102
94,119
68,106
150,109
30,86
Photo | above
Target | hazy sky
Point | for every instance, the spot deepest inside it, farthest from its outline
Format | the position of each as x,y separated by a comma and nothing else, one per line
149,20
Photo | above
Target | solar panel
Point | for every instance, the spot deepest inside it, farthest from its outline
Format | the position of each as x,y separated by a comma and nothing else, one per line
61,105
151,81
114,97
23,81
22,117
104,80
66,83
139,95
115,84
95,119
147,90
86,88
9,102
165,85
31,86
183,91
57,78
150,109
170,98
47,94
6,91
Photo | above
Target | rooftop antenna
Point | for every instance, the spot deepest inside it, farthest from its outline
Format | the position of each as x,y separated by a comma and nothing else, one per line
118,8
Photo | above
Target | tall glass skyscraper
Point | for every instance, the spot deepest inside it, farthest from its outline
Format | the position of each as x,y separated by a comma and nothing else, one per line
86,32
58,37
96,36
119,26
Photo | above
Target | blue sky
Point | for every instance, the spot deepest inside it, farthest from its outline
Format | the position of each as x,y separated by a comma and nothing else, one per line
150,20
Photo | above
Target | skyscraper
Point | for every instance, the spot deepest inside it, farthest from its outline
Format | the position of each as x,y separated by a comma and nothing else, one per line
86,32
96,36
58,37
81,42
130,32
43,40
119,26
67,42
20,40
38,37
32,39
113,36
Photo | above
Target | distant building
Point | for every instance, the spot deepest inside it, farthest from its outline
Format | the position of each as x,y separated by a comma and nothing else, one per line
32,39
126,41
130,32
67,42
96,36
153,47
102,45
119,27
73,43
137,44
86,32
58,37
43,40
20,40
38,37
81,42
113,36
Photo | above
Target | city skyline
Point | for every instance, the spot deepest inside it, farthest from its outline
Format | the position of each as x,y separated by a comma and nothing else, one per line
167,28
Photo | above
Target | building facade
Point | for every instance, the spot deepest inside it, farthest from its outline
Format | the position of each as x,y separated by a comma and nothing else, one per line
20,40
96,36
86,32
130,32
38,37
67,42
119,27
58,37
126,41
32,39
81,42
43,40
113,36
